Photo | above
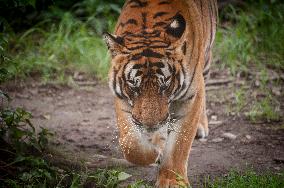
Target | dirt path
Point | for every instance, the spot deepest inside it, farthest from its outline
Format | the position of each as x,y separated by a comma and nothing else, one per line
83,119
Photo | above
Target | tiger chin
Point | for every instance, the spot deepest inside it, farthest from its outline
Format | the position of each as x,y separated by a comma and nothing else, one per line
161,53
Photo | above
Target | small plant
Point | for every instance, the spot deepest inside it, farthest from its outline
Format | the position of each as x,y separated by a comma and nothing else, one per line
247,179
264,110
18,137
180,180
109,178
240,99
20,132
139,184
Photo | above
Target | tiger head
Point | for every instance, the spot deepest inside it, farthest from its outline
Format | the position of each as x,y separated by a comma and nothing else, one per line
149,71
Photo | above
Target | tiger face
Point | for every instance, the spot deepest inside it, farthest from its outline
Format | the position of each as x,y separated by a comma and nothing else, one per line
148,71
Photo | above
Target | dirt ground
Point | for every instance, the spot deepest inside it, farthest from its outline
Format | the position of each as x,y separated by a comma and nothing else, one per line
83,119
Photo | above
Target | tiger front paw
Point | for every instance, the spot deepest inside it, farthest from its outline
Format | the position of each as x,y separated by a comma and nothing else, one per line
172,180
202,131
166,183
171,183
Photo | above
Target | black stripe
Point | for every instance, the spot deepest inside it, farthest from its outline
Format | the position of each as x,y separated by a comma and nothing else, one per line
181,87
138,73
184,48
131,21
160,72
147,42
137,66
123,81
191,80
193,46
205,73
150,53
159,14
177,78
201,9
165,2
157,46
170,69
114,84
136,57
157,24
123,70
144,19
157,64
137,3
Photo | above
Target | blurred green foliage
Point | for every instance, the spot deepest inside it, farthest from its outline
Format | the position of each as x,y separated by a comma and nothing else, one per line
247,179
251,35
60,37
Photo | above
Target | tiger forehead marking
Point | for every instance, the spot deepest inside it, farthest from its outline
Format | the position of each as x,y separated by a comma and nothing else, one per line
149,17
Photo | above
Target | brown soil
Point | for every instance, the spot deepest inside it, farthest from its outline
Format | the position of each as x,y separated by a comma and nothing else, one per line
83,119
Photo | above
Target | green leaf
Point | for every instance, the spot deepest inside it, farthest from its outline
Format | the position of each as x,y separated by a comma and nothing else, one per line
123,176
75,181
17,133
4,95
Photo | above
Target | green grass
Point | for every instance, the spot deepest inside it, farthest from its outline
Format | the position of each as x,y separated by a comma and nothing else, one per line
251,37
265,110
250,41
66,40
248,179
56,53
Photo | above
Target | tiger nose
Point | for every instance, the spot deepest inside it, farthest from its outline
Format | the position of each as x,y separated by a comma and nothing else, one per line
149,123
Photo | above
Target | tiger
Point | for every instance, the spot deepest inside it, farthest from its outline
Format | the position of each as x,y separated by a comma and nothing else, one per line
160,57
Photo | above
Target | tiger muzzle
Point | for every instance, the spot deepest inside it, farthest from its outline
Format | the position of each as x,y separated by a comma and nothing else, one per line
150,111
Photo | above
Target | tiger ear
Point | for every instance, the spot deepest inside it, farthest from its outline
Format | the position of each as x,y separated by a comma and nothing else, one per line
114,43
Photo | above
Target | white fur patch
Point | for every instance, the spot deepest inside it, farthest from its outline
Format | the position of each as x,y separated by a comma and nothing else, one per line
174,24
171,140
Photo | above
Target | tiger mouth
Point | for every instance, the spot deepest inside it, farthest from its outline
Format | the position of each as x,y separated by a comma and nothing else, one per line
148,129
151,129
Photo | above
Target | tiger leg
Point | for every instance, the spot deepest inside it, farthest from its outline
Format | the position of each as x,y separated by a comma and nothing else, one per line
179,142
135,146
203,130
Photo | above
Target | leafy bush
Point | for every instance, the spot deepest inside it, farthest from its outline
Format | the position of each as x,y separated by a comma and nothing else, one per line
18,139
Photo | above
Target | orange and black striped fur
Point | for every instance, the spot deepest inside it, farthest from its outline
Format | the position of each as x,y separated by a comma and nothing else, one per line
161,53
